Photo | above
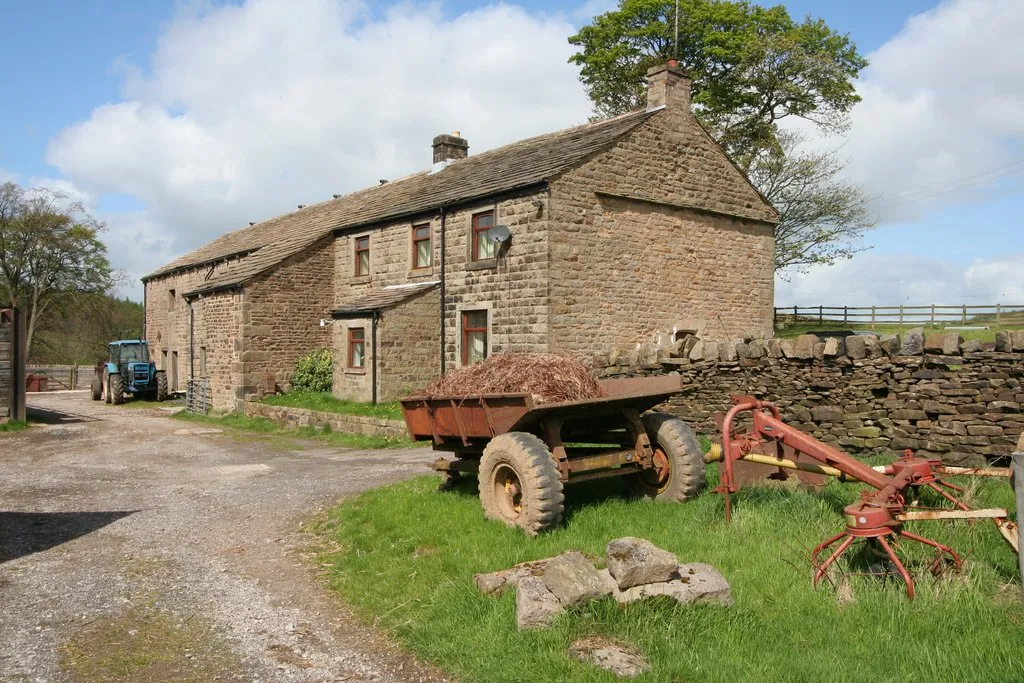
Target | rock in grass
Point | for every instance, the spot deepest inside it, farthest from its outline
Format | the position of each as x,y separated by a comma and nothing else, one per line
573,579
536,606
495,583
636,561
609,655
696,583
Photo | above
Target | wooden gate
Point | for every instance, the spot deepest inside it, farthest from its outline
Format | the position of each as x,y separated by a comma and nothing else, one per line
12,364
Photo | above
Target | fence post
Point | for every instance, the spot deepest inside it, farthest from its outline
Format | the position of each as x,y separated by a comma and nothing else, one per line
963,318
1018,488
997,314
872,317
775,316
901,316
821,319
846,316
933,315
794,315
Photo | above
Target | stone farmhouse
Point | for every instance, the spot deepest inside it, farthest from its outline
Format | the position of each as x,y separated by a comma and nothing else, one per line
577,241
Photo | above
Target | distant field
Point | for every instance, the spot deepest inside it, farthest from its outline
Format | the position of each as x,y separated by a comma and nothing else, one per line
789,330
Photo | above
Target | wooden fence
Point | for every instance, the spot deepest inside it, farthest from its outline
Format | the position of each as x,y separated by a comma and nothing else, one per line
58,377
933,314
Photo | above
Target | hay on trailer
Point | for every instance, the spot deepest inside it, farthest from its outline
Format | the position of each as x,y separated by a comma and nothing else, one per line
548,377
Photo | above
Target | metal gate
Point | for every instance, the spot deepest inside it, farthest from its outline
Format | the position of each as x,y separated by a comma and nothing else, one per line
197,396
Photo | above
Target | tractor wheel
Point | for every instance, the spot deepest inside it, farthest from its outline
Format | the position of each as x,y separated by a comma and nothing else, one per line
96,389
519,483
117,389
105,388
161,386
678,472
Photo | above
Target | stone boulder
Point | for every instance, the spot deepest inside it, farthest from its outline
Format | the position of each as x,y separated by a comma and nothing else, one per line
697,582
833,347
855,348
573,579
1017,340
804,345
947,343
495,583
536,606
636,561
913,342
889,344
608,655
972,346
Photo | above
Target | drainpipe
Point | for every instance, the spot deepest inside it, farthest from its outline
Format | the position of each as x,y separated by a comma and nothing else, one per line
443,216
191,342
373,346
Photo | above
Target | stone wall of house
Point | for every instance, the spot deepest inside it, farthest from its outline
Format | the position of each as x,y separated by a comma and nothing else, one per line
217,346
281,316
659,232
408,345
936,395
353,384
514,289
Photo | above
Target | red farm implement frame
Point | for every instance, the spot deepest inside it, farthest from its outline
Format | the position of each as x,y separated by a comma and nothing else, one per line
880,514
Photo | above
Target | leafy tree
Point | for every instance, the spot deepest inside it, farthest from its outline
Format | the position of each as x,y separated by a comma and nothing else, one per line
821,213
78,330
50,253
752,67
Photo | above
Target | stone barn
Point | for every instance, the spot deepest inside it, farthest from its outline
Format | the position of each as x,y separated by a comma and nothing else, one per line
599,236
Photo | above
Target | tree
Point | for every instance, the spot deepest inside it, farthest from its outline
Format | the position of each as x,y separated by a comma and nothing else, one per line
821,214
752,67
50,252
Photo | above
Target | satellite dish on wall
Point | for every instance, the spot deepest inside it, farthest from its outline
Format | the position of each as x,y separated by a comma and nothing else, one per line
501,234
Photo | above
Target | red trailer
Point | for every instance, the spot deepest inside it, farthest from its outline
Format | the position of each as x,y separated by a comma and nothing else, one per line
524,454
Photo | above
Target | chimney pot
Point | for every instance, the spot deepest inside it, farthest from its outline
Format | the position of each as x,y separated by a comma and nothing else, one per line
450,147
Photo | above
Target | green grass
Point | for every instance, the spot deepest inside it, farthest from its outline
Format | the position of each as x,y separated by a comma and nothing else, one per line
327,403
789,331
13,426
264,428
404,556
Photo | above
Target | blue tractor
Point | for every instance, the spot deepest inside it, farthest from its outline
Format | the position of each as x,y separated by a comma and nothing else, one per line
128,370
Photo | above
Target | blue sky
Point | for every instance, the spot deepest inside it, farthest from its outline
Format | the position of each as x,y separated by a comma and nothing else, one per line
144,111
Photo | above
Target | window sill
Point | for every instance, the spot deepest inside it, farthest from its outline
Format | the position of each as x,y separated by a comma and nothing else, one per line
360,280
483,264
427,271
355,371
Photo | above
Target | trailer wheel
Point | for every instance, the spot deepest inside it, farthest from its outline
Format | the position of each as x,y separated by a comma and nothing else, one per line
117,389
678,473
519,483
96,389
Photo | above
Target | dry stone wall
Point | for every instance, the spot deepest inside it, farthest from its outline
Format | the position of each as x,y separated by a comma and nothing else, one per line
934,394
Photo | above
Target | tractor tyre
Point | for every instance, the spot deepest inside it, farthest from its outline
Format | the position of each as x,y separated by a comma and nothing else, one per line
96,389
519,483
678,473
117,389
105,388
161,385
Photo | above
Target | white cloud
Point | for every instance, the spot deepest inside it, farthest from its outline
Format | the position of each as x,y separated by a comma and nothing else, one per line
943,103
251,109
870,279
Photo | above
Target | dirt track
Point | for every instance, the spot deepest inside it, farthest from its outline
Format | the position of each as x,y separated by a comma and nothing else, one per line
122,542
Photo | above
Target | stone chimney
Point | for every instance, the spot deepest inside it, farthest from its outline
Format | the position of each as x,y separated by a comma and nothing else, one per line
452,146
668,85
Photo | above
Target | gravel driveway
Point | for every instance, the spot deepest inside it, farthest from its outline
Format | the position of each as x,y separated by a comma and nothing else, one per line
128,545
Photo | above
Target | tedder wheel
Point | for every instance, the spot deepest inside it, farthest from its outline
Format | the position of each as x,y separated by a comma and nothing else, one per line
519,483
96,389
117,389
161,386
678,472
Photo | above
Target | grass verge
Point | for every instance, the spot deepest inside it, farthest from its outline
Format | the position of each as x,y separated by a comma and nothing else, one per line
790,331
13,426
325,402
265,428
404,556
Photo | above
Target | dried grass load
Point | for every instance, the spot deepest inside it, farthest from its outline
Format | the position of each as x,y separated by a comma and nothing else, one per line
550,378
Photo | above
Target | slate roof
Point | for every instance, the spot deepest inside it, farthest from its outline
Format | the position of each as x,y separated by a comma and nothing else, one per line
378,299
520,164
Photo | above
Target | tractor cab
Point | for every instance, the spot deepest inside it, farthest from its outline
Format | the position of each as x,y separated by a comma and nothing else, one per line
128,370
